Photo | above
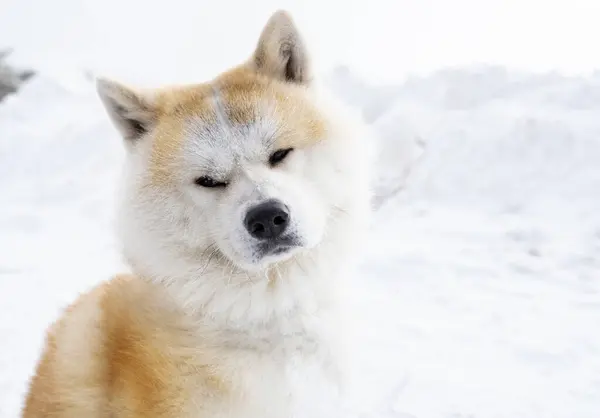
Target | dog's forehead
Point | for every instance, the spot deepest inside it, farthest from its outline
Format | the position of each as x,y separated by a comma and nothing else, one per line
239,113
219,145
239,119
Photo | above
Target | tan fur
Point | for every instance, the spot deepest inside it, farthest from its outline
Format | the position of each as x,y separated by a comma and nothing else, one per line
123,339
243,88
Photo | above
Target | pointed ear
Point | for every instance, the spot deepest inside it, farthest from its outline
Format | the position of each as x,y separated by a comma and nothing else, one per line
131,112
280,52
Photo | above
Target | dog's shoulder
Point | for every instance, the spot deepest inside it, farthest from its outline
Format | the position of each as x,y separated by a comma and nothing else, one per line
119,347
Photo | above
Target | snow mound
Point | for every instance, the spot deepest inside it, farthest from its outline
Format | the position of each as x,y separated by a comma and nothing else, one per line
515,138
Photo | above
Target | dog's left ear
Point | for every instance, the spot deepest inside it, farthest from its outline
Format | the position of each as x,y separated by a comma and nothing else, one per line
281,52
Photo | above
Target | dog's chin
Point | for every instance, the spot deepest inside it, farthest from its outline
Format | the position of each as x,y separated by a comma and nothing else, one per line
278,254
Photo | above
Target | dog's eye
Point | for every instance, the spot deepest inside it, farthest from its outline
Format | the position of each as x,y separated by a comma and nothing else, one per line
278,156
206,181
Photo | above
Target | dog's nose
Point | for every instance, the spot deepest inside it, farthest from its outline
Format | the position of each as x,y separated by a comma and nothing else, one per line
267,220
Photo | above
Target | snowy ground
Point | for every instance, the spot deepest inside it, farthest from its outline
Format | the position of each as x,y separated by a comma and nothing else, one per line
480,293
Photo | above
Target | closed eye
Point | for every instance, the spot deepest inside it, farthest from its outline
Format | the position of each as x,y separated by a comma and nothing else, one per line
278,156
209,182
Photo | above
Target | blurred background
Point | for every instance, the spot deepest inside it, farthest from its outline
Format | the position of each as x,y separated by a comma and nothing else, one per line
379,39
479,295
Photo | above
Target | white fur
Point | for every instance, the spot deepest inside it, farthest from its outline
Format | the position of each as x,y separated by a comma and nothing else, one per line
326,188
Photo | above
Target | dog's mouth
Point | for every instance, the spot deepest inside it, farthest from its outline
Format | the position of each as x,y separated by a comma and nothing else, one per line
264,253
282,249
277,248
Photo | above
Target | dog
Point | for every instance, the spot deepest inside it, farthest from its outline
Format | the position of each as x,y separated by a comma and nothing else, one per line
244,204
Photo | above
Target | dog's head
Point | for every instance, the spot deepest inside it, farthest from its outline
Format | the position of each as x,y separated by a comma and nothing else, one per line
252,167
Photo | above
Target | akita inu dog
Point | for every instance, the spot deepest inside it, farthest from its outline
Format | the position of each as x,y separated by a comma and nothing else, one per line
244,203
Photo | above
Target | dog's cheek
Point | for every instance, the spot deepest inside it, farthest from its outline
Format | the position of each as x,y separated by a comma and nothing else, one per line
309,213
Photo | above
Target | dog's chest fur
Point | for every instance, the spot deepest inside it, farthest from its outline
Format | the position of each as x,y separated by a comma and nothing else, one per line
274,363
201,366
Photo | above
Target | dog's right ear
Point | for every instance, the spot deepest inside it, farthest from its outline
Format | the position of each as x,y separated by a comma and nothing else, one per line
130,111
281,52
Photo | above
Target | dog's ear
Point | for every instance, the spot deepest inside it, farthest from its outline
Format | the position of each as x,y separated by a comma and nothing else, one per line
281,52
130,111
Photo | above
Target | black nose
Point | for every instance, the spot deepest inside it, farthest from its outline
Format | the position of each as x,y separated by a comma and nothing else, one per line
267,220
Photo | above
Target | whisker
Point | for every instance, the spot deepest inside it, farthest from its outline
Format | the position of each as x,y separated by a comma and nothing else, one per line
209,260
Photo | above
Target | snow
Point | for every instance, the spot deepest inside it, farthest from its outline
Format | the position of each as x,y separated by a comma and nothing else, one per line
484,268
479,295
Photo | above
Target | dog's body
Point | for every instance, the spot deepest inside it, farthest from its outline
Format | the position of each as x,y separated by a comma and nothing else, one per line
244,201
